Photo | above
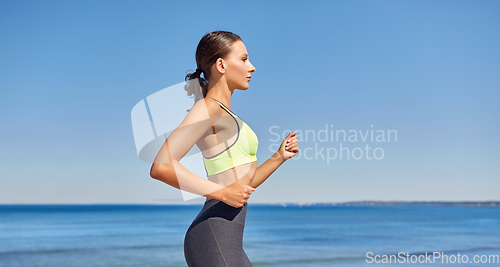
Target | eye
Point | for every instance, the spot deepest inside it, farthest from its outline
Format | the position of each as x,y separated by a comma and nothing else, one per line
244,59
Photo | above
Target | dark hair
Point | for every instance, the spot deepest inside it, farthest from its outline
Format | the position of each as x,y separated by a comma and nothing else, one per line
212,46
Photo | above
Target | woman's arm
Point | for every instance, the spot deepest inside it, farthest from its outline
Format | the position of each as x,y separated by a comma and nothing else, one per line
176,175
288,149
168,169
265,170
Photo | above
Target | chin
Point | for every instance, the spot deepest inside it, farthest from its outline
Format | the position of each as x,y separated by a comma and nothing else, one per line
244,86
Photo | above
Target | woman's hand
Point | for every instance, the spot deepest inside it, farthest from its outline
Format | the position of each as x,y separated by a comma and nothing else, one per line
289,146
236,194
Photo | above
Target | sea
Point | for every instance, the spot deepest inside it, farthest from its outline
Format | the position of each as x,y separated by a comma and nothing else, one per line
275,235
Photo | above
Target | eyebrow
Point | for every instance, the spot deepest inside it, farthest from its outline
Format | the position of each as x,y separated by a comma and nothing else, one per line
245,55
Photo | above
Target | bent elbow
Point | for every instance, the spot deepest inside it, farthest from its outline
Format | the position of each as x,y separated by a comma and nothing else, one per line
152,173
155,171
161,171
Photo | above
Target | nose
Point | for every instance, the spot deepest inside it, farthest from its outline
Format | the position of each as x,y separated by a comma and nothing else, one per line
252,69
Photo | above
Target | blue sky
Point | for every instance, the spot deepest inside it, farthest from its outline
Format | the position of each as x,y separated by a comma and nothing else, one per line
71,72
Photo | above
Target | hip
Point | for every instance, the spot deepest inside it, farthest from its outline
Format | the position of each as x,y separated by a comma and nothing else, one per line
214,209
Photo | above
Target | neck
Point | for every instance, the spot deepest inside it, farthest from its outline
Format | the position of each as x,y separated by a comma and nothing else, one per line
220,91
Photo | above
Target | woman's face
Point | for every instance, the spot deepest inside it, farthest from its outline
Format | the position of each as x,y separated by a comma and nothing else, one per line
238,67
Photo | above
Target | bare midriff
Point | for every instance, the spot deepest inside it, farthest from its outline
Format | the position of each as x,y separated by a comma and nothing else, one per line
242,174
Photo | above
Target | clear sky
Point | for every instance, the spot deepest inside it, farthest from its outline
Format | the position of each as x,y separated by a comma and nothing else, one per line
71,72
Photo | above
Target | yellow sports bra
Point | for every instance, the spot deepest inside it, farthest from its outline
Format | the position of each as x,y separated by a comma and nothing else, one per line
242,151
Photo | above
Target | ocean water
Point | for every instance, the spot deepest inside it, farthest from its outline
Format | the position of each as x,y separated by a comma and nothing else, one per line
312,236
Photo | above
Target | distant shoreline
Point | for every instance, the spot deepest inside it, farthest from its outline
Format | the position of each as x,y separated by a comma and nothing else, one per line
413,203
284,204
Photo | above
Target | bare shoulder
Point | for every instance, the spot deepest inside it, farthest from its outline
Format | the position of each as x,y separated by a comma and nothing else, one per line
211,105
202,110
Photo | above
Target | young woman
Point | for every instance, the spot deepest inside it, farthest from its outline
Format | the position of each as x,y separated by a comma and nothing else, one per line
229,147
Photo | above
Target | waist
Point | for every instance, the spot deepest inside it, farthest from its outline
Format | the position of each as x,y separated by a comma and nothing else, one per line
216,209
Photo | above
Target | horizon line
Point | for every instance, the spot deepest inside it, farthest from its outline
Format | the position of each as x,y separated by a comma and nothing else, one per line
310,203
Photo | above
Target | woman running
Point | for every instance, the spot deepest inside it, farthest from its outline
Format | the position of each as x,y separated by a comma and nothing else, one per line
229,147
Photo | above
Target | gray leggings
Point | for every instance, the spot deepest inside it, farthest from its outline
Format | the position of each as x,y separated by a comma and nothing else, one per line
215,237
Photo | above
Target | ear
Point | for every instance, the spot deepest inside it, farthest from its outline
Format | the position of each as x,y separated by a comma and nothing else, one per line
220,65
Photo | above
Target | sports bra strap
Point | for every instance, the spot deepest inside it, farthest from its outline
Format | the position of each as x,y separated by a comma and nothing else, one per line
224,107
235,175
